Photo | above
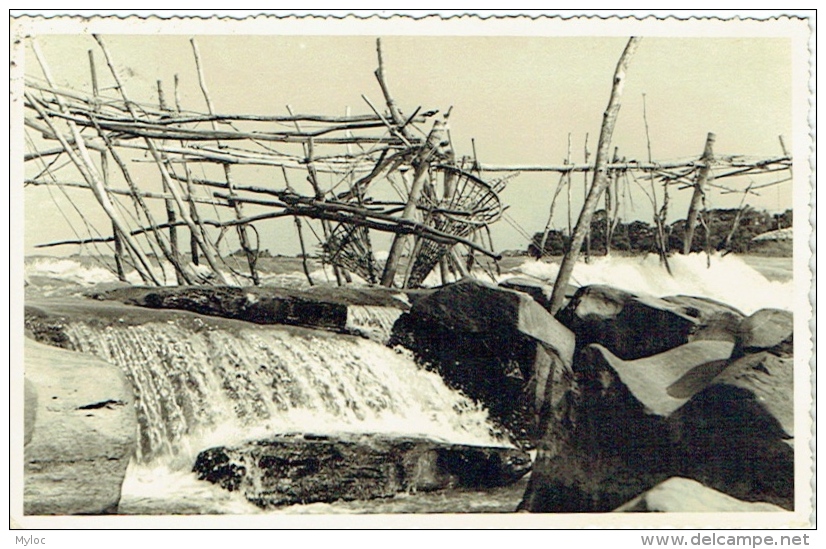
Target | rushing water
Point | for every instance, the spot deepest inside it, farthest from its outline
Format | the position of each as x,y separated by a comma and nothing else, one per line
198,385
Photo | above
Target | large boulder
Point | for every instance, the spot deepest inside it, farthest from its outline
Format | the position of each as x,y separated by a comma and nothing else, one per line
682,495
736,435
767,329
366,311
538,289
291,469
634,326
81,433
497,346
608,439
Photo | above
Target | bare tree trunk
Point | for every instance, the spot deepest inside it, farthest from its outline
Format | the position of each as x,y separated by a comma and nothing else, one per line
609,119
699,191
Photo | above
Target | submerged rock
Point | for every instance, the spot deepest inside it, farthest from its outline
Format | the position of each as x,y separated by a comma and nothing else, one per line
682,495
635,326
81,432
290,469
497,346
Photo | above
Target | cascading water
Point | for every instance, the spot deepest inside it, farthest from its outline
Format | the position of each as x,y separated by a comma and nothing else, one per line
199,385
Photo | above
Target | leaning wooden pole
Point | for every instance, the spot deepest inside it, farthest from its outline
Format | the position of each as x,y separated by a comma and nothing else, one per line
252,255
169,204
104,170
699,191
583,224
86,168
150,144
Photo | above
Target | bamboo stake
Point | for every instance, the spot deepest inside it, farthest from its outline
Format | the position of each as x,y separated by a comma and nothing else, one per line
600,177
193,211
699,192
210,258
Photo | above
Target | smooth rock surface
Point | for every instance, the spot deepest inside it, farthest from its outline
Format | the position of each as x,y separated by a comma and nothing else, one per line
682,495
498,346
767,329
736,435
635,326
329,308
83,436
291,469
538,289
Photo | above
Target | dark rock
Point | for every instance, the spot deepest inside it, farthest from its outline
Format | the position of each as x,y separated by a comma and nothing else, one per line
538,289
76,456
635,326
290,469
364,311
682,495
497,346
767,329
716,321
609,440
736,435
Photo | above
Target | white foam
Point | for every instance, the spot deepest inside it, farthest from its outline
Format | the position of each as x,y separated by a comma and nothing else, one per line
728,279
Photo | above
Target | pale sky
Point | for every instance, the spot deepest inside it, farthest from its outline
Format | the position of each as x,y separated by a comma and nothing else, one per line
518,97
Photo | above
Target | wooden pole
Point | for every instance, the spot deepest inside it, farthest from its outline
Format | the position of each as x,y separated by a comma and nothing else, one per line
421,167
584,197
568,185
252,256
193,211
208,255
300,232
662,244
169,204
86,167
104,169
699,191
600,177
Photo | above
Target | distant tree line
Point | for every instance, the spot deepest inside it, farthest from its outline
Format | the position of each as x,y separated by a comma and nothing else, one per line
719,230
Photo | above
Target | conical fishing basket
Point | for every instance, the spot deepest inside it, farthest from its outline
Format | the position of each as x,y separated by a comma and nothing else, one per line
469,204
349,247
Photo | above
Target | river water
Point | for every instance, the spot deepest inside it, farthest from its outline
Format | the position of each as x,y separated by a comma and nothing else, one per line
199,386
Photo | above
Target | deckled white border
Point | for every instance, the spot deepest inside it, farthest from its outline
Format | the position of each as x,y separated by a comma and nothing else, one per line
796,28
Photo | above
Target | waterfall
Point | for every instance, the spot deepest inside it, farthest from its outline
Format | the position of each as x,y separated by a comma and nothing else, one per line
202,384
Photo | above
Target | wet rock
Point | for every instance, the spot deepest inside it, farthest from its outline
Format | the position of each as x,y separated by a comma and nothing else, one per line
497,346
292,469
716,321
365,311
767,329
736,435
609,438
77,452
682,495
635,326
538,289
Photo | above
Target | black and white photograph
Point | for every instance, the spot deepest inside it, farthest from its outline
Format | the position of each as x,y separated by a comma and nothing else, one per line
542,272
